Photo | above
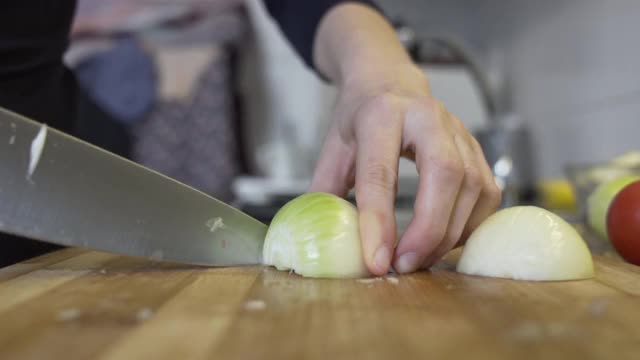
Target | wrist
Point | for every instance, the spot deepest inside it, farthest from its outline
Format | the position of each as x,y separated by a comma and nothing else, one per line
353,38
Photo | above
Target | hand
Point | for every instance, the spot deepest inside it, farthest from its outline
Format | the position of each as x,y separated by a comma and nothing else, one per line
380,116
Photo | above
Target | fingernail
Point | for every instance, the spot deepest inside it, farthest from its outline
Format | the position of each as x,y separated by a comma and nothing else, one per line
382,258
408,262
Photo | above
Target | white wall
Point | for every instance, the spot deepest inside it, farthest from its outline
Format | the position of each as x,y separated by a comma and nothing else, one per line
576,76
287,106
574,66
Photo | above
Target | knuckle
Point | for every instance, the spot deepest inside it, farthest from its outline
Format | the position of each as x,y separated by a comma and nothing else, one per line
380,176
449,168
382,103
434,105
473,179
379,111
384,99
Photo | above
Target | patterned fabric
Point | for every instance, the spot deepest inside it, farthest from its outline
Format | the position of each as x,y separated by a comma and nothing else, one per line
194,140
121,80
95,17
188,133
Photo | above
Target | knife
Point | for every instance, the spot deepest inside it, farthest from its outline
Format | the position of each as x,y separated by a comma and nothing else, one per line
59,189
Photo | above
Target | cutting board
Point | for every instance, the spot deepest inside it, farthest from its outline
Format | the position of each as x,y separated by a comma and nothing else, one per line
76,304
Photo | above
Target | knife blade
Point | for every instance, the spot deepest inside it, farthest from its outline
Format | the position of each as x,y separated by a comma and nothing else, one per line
59,189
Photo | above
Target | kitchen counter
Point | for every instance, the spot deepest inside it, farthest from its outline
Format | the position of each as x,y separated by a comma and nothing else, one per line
76,304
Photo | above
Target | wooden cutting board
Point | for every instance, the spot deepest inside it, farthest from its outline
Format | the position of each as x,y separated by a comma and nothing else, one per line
75,304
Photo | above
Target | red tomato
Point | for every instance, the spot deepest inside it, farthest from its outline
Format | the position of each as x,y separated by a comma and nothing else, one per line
623,222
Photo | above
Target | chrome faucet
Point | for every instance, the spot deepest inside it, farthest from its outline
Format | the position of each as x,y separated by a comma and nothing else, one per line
505,141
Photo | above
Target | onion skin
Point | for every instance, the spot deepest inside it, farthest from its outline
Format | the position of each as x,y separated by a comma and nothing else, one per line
316,235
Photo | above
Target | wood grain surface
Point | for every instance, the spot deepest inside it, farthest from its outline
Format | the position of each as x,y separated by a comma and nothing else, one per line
75,304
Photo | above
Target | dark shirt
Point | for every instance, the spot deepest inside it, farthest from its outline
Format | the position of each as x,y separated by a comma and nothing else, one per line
299,21
34,35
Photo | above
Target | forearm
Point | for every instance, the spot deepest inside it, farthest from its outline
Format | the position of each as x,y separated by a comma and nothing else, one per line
355,42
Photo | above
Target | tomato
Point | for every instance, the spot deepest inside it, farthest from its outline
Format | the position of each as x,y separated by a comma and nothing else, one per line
623,222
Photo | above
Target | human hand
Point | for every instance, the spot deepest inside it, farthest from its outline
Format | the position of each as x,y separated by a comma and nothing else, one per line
380,116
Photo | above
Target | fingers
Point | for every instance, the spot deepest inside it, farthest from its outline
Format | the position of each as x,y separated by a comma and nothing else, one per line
379,135
490,197
456,191
468,196
334,169
441,171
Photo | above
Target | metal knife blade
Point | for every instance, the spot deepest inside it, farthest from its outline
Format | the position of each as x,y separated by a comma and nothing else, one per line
80,195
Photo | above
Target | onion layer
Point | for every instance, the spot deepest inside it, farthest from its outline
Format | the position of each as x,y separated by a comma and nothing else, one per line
316,235
526,243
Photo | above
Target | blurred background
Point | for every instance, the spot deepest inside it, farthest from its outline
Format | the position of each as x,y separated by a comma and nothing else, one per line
210,93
